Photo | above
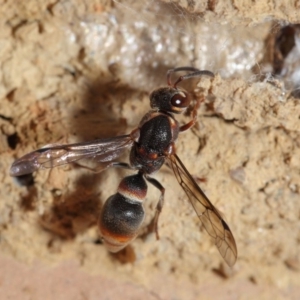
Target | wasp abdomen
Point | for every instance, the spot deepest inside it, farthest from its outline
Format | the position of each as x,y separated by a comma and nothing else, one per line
123,213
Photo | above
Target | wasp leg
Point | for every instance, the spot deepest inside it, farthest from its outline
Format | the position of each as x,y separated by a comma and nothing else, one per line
159,205
194,116
103,167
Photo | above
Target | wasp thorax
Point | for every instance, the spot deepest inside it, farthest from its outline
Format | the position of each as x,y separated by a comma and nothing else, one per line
170,100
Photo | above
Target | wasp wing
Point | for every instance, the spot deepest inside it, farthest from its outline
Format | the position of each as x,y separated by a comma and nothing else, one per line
208,214
50,156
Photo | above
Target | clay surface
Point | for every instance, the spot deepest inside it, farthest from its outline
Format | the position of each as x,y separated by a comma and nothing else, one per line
76,70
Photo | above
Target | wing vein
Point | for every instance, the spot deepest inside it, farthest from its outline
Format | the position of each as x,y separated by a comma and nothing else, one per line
211,219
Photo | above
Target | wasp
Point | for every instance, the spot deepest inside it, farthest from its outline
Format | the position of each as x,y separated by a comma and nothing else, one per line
151,145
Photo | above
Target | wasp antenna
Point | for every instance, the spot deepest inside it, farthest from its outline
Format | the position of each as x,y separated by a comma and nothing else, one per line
195,73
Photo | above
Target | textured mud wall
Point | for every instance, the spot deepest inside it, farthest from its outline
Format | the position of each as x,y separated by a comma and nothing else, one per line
79,70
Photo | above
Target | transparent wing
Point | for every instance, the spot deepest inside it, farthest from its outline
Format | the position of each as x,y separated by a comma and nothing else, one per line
208,214
50,156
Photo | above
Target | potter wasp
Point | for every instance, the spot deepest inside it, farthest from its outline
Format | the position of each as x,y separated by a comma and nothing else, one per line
151,145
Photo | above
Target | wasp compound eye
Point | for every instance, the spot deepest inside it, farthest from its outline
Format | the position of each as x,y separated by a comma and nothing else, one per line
180,100
170,100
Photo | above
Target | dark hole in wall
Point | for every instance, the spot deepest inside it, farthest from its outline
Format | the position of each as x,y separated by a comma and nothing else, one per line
13,140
